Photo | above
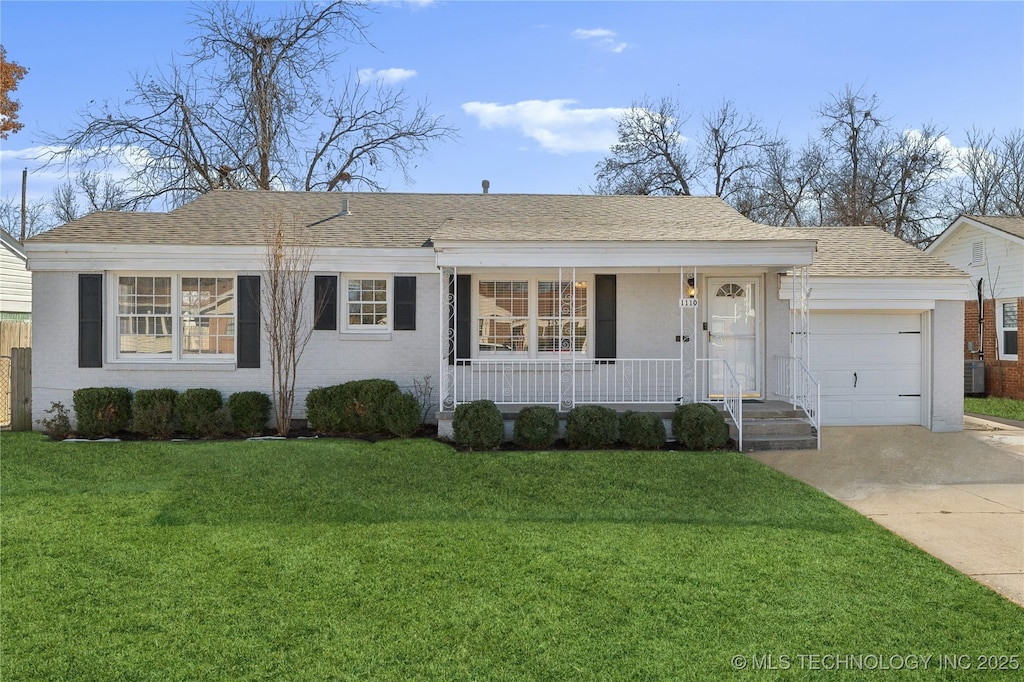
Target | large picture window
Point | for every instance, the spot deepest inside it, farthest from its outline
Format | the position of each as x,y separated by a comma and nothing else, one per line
531,316
175,317
1006,318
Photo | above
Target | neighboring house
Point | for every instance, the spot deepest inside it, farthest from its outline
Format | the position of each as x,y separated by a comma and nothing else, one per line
631,301
15,280
991,251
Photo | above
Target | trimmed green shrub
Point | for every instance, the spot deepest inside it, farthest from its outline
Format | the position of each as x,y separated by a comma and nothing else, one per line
102,412
202,414
478,425
363,405
324,409
153,412
591,426
699,426
402,414
58,426
642,430
249,412
535,427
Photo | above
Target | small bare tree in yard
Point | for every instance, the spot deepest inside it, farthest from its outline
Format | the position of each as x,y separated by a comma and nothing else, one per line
285,308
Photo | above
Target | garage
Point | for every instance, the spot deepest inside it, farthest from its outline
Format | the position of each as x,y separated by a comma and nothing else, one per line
869,366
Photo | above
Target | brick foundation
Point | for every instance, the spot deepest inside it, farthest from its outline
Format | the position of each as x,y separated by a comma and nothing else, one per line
1003,378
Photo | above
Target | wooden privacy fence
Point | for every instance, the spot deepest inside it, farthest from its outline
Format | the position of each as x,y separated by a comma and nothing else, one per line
16,390
16,375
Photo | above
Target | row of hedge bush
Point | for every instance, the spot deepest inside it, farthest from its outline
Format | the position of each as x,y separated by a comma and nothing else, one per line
367,407
160,413
479,425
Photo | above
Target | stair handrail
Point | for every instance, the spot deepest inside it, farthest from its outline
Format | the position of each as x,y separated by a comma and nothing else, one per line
793,372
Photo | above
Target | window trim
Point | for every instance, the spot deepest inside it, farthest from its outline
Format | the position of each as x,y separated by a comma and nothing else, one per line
533,352
176,356
1002,328
344,327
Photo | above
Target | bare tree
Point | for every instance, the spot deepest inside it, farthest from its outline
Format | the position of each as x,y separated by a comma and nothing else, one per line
285,308
100,192
37,217
650,156
733,147
653,156
788,188
249,110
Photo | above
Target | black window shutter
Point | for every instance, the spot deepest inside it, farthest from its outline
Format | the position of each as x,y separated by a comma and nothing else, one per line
460,288
405,303
248,322
90,320
325,302
604,307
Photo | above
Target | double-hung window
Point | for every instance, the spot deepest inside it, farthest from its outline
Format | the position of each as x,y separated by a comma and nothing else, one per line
175,317
531,317
1006,321
367,304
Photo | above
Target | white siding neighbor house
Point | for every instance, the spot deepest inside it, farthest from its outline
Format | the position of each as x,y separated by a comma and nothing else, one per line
991,250
629,301
15,280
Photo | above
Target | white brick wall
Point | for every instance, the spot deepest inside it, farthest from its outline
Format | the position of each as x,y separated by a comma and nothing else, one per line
947,381
330,357
647,316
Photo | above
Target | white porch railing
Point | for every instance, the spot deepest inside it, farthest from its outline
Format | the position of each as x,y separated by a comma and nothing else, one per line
799,387
724,388
514,381
568,382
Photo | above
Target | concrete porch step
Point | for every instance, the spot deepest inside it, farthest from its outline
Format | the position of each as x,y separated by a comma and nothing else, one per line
788,426
778,442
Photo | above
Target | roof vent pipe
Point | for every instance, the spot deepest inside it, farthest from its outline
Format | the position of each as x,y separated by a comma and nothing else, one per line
344,208
486,184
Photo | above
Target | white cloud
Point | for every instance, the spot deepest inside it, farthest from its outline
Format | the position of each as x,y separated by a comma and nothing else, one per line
601,38
386,76
553,123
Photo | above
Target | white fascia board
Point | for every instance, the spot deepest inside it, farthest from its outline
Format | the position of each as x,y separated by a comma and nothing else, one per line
781,253
162,257
964,221
905,293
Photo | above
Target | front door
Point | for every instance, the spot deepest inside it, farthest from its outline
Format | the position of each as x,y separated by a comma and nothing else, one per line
734,333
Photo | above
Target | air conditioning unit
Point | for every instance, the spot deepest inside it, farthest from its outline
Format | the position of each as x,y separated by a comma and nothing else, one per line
974,376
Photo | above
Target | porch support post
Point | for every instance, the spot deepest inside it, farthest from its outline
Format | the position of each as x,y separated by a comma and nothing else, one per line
566,372
447,372
688,315
800,323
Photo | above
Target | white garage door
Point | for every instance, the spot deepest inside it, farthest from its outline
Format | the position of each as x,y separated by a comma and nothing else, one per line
869,366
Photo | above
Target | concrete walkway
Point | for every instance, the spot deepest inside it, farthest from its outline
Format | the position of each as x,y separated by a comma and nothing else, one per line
957,496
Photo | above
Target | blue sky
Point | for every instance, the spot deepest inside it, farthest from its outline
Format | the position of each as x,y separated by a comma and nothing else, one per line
533,87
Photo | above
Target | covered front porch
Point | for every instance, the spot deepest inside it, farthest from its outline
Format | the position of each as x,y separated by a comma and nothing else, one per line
637,338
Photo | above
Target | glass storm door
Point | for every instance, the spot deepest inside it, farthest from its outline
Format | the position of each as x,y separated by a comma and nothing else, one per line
734,334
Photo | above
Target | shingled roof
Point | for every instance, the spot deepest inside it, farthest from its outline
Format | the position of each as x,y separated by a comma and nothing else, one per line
869,252
383,220
1014,226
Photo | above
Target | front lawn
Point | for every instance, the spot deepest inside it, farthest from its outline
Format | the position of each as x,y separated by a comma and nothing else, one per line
403,560
1007,408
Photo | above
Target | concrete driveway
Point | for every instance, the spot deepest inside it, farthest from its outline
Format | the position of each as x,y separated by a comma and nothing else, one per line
957,496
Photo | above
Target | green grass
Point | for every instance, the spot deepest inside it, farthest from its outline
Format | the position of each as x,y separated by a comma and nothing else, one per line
1007,408
407,560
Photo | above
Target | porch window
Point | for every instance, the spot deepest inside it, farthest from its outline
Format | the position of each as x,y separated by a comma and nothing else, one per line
522,316
1007,329
367,304
560,297
174,317
504,315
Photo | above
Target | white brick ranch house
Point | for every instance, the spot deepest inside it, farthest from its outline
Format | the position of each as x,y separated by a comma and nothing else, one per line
628,301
